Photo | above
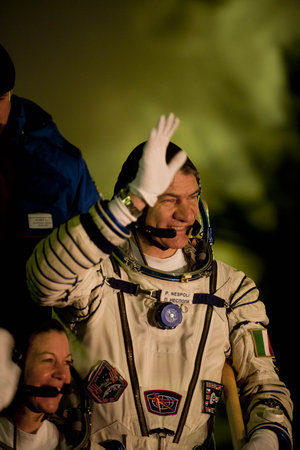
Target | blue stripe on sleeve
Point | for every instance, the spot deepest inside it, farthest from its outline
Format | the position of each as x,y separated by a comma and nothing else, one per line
79,248
67,251
245,293
53,268
94,234
238,288
105,207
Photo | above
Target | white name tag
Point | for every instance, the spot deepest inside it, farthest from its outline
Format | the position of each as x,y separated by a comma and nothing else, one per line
40,220
176,297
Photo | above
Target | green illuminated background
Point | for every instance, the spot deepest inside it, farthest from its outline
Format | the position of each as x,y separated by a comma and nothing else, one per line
106,70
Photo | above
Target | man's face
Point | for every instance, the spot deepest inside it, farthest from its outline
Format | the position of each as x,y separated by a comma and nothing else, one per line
48,364
4,110
176,208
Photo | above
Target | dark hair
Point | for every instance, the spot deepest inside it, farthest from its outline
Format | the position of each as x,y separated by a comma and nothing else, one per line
7,72
130,166
23,343
48,325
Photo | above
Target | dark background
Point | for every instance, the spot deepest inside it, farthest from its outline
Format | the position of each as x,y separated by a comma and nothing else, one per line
230,70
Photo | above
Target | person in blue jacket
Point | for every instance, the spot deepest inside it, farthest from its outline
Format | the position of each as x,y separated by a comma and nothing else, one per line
44,181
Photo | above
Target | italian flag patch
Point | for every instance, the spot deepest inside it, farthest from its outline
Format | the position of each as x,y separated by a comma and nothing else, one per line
261,342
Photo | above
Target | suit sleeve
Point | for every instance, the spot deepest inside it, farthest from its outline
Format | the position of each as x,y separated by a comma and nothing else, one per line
265,400
65,267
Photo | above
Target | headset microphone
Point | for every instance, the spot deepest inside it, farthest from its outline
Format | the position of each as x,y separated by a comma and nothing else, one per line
45,391
157,232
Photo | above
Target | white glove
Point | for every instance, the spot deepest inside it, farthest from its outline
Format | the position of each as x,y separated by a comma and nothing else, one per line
154,175
9,371
262,439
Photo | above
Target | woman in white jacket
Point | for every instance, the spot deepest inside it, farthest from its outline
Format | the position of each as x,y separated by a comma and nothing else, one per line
45,373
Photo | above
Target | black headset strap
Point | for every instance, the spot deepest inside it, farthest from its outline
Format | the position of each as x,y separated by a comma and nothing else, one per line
207,232
15,433
198,359
213,278
130,356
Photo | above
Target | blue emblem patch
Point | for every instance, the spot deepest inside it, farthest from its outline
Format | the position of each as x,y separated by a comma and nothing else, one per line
105,384
162,403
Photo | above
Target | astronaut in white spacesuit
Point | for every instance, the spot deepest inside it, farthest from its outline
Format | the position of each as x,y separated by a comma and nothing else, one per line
153,317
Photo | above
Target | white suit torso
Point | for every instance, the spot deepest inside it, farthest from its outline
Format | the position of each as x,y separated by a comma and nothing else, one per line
164,358
71,271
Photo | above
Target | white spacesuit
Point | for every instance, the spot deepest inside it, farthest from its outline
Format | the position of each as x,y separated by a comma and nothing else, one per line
152,343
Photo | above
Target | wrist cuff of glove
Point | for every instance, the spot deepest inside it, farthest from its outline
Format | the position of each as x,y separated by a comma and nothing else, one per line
123,209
